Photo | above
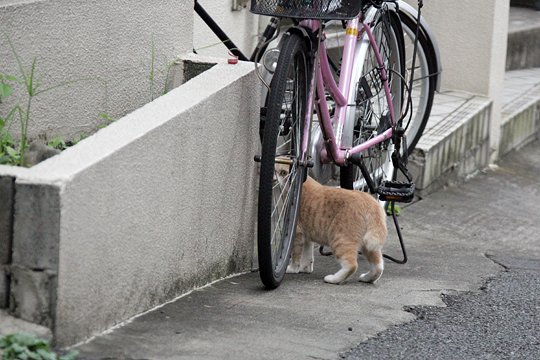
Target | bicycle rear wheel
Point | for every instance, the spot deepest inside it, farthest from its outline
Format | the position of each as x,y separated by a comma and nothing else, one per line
426,72
424,83
372,111
282,171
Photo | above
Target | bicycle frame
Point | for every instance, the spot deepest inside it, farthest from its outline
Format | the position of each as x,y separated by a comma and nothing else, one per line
323,80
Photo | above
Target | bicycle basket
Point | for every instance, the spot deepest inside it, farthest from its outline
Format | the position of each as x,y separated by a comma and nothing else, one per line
308,9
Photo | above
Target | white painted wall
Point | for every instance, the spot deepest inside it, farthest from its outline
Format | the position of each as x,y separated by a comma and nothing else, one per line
104,46
472,38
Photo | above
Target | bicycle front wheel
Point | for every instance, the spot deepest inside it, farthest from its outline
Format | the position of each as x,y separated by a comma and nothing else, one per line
372,115
282,171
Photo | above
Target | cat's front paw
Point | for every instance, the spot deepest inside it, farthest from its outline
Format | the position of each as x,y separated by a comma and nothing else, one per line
293,269
332,279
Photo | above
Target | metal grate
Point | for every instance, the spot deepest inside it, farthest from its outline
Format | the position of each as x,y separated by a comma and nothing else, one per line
308,9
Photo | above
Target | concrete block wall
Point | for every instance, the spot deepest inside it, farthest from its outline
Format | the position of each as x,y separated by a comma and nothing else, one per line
101,51
8,174
157,203
7,184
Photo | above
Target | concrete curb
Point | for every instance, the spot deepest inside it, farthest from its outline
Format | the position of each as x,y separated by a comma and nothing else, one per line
521,112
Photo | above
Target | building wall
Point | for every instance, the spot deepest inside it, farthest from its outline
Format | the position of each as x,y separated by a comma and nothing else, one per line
99,51
472,37
241,26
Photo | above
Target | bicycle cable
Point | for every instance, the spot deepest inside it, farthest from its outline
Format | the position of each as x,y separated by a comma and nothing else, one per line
263,46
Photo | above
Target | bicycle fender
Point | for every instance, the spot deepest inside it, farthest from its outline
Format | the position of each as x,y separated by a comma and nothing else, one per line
299,30
407,10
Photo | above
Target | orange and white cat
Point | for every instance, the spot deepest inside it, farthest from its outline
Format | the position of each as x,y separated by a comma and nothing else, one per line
344,220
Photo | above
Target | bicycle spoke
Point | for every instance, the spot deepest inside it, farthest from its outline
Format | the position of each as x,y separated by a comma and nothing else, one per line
280,216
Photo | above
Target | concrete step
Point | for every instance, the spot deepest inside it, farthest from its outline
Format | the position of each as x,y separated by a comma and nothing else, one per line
455,143
521,109
523,49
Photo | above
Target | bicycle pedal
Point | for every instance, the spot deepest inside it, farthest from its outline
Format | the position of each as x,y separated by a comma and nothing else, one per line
396,191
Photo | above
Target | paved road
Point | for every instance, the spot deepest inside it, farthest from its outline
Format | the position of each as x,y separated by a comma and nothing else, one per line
454,238
500,322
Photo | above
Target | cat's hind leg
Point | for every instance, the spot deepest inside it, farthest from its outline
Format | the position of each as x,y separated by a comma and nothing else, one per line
295,263
376,263
346,256
307,259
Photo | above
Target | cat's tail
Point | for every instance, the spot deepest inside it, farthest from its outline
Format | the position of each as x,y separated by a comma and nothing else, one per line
372,251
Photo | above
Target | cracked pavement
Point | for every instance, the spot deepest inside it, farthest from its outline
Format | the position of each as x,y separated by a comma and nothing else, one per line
456,239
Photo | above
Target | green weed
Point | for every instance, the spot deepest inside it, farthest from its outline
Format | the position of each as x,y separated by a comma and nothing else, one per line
23,346
9,149
57,143
106,120
12,153
397,210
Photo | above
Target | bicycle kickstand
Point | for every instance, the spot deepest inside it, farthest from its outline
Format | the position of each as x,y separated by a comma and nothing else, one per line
398,191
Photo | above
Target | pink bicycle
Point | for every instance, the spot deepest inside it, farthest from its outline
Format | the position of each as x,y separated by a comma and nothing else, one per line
357,108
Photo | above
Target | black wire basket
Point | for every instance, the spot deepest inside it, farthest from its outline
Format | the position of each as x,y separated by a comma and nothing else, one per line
308,9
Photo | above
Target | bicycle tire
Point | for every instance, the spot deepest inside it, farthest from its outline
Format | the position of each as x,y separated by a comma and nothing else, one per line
426,73
372,108
279,194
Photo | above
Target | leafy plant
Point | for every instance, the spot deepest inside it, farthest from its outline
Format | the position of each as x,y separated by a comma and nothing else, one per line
9,154
57,143
106,120
33,88
152,75
12,152
23,346
6,88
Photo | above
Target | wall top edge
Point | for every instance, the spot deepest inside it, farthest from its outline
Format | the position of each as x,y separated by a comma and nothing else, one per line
6,3
13,171
60,169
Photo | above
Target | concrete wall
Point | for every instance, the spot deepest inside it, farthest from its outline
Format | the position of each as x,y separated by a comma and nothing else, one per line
104,46
469,35
157,203
241,26
8,174
472,37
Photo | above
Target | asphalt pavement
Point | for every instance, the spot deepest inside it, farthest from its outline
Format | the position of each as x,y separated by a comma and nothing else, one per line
468,290
500,322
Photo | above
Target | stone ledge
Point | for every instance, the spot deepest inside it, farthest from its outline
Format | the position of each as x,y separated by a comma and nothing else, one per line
455,143
521,110
11,325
